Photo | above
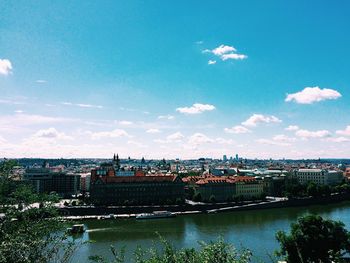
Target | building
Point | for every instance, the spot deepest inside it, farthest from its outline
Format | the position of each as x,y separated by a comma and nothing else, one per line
137,189
223,171
226,188
85,182
219,189
248,187
44,180
318,176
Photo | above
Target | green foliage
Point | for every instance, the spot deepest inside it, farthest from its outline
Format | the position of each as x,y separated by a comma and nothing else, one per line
314,239
179,201
293,188
213,252
212,199
197,197
315,190
30,230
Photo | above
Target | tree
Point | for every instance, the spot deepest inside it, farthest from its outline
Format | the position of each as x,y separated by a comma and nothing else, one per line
314,239
312,190
197,197
30,230
212,199
218,252
293,188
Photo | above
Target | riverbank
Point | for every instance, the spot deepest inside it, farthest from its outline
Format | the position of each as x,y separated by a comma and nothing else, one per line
99,212
254,229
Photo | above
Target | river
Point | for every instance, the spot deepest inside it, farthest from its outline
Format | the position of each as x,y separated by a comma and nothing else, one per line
251,229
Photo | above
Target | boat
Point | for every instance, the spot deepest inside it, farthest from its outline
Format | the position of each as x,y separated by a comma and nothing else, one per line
155,214
76,229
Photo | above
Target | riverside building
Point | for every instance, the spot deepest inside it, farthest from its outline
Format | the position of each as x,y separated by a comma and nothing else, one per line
318,176
226,188
112,185
44,180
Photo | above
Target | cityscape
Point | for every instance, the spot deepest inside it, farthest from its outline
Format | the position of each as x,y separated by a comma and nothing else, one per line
174,132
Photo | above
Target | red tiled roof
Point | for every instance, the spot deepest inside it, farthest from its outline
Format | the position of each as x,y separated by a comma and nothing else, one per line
192,179
225,179
138,179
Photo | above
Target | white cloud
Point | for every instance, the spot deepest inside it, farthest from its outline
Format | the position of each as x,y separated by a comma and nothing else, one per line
223,49
153,131
224,141
310,95
10,102
312,134
109,134
137,144
338,139
166,117
5,67
225,52
177,136
82,105
40,81
255,119
126,123
292,128
51,133
2,140
345,132
19,120
211,62
199,138
19,111
233,56
283,138
237,129
89,106
196,108
272,142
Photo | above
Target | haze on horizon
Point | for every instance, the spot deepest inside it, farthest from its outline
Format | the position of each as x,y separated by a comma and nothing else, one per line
264,79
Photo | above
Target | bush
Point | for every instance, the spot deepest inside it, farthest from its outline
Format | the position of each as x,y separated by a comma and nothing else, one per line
212,199
197,197
314,239
218,252
179,201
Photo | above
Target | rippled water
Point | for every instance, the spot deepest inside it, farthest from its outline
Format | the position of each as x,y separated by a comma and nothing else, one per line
252,229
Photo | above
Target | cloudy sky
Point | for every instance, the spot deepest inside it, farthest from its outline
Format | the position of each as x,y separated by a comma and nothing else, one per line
179,79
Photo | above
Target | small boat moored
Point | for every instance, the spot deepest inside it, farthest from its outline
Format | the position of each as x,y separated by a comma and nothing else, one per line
76,229
155,214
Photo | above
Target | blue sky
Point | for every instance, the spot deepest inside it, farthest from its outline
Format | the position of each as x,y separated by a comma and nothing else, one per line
179,79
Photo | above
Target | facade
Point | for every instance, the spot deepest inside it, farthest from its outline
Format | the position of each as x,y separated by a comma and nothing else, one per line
123,190
248,187
318,176
44,180
223,171
85,182
217,189
226,188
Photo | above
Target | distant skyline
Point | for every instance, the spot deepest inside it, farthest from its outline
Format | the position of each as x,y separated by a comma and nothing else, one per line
184,79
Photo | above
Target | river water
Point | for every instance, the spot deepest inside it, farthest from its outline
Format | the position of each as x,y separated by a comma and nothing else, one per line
251,229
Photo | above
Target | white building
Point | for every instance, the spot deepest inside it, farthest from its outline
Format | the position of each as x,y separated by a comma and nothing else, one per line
318,176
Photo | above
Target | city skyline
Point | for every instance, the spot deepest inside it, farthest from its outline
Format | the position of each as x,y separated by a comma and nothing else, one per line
181,80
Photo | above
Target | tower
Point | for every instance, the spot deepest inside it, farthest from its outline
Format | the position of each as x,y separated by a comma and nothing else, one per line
116,161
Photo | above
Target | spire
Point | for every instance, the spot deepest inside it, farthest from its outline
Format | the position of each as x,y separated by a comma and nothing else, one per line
116,161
